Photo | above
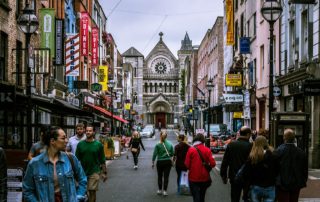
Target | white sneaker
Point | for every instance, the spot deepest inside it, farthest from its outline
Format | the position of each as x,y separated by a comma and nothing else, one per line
134,167
159,192
165,193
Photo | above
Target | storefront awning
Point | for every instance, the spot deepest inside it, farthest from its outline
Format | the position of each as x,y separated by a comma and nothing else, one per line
106,112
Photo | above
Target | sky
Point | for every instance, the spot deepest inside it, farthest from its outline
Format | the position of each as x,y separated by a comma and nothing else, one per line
137,23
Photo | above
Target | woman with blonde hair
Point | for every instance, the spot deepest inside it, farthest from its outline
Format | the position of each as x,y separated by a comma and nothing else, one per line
263,170
163,152
134,144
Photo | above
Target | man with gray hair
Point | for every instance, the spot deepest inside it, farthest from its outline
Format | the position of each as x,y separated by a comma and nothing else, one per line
293,173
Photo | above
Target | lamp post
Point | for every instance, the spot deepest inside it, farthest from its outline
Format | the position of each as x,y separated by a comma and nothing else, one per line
271,11
210,87
28,23
111,85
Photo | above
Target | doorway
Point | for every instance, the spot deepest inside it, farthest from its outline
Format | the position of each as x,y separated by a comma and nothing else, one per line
161,120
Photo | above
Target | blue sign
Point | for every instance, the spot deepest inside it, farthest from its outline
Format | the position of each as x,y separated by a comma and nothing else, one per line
245,45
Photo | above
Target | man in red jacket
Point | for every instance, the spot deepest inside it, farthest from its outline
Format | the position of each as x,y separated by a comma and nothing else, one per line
199,176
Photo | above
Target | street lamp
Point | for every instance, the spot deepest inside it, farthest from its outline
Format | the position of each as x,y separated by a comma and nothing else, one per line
111,85
28,24
210,87
271,11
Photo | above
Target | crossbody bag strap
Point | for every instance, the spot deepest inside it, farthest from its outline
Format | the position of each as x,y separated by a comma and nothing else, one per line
200,155
166,150
72,163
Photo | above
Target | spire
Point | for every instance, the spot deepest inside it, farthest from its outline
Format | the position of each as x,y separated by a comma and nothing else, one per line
186,43
160,34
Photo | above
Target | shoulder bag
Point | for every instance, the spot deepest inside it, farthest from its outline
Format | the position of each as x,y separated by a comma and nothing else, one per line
171,158
205,164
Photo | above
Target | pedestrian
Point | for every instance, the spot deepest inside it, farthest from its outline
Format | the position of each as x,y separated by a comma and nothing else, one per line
199,176
134,144
180,153
51,175
262,172
74,140
163,152
38,147
91,155
3,176
293,173
236,154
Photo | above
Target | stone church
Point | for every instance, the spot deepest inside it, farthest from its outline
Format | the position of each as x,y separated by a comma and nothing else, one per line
159,86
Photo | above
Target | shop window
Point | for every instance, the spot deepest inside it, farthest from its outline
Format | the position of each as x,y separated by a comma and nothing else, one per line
3,55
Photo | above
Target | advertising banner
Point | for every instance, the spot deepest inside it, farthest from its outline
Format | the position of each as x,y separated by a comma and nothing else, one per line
59,42
84,33
72,54
103,77
233,80
47,27
95,46
230,26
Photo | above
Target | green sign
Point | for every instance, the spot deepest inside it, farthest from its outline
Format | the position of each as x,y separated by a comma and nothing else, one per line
47,27
96,87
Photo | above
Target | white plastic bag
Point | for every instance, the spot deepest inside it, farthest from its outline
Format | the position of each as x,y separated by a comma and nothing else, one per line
184,184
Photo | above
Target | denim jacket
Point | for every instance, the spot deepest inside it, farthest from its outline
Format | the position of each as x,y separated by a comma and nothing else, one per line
38,184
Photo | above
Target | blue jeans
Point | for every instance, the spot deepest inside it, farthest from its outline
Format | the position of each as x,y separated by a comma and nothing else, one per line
265,194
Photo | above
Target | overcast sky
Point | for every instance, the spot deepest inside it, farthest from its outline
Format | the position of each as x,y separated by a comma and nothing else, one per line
137,23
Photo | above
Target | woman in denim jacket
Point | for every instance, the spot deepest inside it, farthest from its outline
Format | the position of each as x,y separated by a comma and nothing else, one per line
50,176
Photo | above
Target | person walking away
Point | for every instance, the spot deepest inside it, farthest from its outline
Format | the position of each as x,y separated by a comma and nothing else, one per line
91,155
199,176
262,172
163,152
3,176
51,175
180,153
134,144
74,140
293,173
235,156
39,146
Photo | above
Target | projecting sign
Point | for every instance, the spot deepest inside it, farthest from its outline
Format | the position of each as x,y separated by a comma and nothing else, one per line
245,45
302,1
311,87
233,97
80,84
276,91
233,80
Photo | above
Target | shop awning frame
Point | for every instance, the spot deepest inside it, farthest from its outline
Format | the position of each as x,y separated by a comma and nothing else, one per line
107,113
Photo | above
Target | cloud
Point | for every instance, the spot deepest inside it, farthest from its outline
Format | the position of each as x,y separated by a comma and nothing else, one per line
137,23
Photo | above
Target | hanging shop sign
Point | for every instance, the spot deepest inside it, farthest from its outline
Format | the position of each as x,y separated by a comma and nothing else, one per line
84,33
95,46
103,77
80,84
72,55
233,97
96,87
47,27
237,115
59,60
302,1
245,45
233,79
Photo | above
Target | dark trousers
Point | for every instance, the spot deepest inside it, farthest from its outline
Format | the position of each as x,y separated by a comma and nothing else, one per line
135,157
163,169
178,176
236,190
198,190
287,196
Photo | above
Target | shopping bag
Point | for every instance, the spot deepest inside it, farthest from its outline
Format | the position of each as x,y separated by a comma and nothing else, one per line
184,188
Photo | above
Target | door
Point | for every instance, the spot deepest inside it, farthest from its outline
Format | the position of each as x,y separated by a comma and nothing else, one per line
161,120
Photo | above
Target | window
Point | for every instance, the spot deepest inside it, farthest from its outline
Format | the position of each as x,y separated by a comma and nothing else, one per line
241,25
3,55
19,63
304,37
236,35
292,42
254,24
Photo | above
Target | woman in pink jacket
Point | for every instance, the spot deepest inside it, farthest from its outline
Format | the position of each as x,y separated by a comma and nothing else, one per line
199,176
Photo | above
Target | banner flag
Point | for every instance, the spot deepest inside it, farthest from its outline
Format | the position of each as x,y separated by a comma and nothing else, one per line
84,33
230,25
47,27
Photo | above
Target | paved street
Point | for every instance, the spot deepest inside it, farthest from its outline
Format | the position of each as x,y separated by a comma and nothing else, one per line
126,184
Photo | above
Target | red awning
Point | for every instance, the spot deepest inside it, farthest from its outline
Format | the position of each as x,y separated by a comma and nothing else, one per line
106,112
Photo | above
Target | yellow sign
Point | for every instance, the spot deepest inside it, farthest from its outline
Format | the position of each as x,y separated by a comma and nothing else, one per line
237,115
230,26
127,106
233,79
103,77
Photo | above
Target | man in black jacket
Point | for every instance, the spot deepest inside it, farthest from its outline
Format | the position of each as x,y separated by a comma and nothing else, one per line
293,169
236,154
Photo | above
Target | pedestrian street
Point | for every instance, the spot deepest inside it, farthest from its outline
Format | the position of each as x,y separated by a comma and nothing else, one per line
126,184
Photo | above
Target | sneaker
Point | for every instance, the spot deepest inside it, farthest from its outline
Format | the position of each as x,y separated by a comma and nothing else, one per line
165,193
159,192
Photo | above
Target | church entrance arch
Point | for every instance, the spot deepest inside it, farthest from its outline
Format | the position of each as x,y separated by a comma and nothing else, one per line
161,114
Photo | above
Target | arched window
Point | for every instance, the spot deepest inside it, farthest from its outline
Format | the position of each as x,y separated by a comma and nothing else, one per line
156,88
175,88
160,87
165,87
145,87
170,88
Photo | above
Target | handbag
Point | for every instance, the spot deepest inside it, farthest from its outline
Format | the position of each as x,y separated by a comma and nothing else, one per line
134,150
205,164
240,177
171,158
